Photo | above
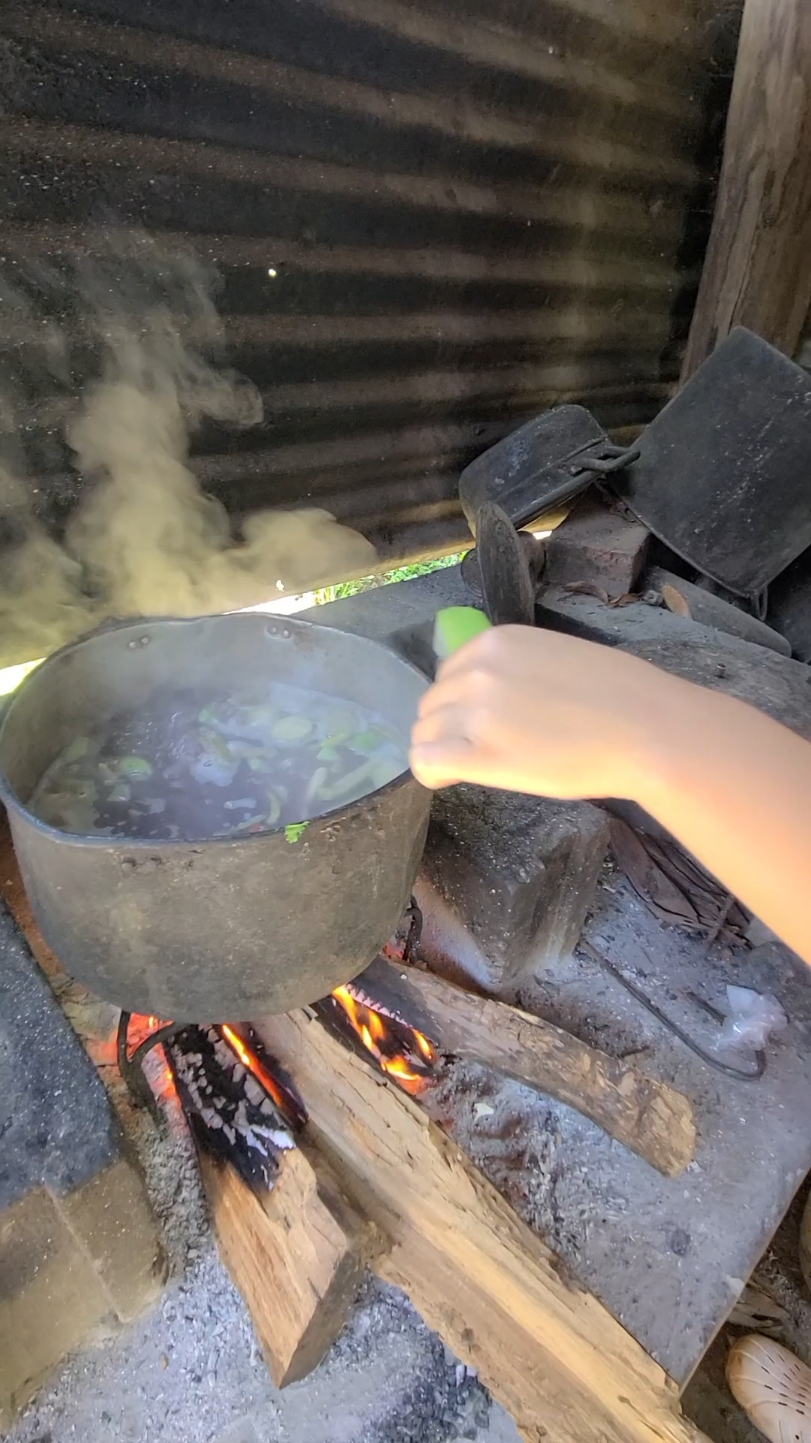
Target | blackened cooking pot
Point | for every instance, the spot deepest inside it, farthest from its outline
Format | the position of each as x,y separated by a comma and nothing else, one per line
229,928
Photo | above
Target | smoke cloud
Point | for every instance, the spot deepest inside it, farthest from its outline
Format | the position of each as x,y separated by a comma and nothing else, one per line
143,539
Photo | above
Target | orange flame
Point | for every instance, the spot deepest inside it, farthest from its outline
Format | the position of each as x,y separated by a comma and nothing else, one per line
372,1029
250,1060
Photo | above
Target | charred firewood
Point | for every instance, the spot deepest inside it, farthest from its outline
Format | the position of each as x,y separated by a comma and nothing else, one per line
230,1112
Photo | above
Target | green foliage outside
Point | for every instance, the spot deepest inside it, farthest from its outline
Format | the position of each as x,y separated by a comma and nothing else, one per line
383,578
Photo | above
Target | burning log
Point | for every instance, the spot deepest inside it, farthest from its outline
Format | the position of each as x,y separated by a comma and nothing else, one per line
400,1050
236,1109
556,1359
648,1116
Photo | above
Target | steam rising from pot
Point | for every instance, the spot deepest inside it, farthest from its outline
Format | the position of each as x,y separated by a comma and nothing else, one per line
143,538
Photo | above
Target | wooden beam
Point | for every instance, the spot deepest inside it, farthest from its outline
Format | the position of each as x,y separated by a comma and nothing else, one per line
297,1256
553,1355
757,271
646,1115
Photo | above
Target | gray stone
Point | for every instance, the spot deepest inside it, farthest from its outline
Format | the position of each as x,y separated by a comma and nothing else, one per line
56,1126
711,610
506,882
775,684
589,617
596,544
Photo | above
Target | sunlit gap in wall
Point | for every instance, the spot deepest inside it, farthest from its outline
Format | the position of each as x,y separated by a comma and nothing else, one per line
284,604
11,676
287,605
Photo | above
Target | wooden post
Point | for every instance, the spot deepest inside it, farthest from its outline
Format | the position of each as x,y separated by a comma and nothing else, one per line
757,271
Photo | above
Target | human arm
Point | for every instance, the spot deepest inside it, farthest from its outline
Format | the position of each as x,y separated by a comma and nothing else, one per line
534,711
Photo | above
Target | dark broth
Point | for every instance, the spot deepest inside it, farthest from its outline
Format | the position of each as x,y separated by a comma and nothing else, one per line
223,766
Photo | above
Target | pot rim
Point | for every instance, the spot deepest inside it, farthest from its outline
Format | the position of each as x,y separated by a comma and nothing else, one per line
83,839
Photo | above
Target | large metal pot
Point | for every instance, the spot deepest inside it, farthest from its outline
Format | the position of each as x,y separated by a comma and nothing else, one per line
225,929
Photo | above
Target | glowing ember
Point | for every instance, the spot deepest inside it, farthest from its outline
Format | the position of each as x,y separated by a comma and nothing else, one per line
255,1065
399,1052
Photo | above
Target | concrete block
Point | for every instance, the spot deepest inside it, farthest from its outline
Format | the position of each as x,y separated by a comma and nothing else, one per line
111,1218
56,1126
79,1253
51,1299
506,882
596,544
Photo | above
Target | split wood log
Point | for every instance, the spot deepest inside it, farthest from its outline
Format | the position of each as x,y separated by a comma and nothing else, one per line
757,271
646,1115
552,1355
297,1256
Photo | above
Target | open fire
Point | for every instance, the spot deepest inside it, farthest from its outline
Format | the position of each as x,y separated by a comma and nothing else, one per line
253,1063
401,1051
234,1098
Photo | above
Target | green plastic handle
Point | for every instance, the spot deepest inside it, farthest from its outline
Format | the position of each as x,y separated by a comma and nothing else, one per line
455,626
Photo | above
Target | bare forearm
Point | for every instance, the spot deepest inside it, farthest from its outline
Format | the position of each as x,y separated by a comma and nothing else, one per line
735,788
532,711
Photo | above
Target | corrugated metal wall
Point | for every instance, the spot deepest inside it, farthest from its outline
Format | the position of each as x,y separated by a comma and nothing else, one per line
473,209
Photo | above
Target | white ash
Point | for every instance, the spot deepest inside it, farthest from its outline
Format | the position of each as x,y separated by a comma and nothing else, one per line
180,1373
192,1372
513,1133
438,1401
